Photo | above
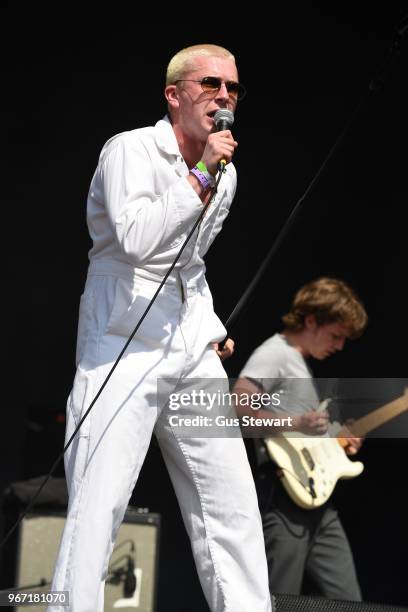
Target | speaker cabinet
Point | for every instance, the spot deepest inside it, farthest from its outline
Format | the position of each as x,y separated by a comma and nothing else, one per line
294,603
133,569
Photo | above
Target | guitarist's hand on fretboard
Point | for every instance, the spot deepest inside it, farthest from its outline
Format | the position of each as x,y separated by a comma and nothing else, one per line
351,443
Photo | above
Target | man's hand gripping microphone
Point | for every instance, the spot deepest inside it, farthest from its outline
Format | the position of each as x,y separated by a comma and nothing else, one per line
223,120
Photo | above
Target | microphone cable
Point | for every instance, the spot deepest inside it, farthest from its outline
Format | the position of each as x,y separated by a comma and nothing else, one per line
211,199
375,85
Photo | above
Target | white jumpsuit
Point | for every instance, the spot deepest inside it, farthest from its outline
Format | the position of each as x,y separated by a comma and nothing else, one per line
140,209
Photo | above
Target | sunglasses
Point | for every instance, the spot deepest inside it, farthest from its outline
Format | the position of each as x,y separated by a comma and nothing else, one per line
212,84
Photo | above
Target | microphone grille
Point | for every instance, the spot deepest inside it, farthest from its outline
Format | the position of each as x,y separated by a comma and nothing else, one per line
225,116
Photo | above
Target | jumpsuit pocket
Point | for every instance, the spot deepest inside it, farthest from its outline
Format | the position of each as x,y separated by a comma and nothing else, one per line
130,303
213,325
84,322
94,310
80,399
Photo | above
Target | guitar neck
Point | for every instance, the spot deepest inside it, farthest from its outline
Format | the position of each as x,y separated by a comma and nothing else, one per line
378,417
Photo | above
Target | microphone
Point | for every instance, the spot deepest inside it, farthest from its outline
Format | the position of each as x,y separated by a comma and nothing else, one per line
223,120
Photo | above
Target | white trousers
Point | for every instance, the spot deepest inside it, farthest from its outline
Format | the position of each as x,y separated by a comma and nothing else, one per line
211,476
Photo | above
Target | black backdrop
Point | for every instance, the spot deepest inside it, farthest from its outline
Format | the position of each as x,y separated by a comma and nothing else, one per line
72,82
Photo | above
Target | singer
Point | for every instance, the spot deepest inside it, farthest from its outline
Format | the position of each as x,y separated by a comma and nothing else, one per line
148,189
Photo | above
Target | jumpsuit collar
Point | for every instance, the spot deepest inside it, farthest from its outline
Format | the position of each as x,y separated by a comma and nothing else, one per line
165,137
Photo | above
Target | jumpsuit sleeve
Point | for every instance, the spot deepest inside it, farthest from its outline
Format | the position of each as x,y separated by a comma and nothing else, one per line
144,222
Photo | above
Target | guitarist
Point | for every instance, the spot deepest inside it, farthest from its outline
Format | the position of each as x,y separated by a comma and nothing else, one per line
302,542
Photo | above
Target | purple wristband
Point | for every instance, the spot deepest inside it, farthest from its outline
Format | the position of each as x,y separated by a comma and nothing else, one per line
201,177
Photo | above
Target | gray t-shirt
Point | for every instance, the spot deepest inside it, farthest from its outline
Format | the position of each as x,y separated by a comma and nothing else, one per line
280,368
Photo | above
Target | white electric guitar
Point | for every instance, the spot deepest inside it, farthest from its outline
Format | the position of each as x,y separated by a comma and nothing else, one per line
309,468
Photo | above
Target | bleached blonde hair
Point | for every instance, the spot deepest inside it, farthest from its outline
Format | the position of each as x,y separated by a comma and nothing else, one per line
183,61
